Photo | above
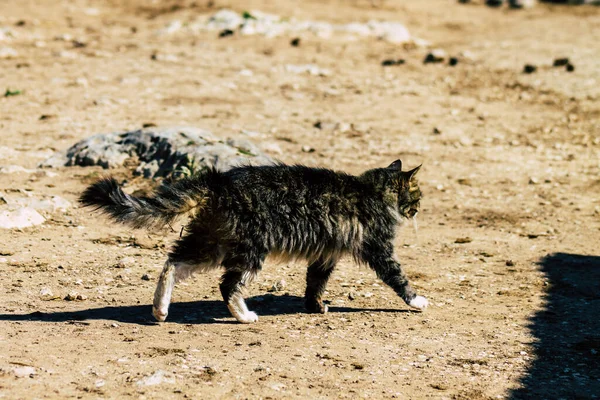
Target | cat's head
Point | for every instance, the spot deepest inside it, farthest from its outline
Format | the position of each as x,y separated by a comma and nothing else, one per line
409,194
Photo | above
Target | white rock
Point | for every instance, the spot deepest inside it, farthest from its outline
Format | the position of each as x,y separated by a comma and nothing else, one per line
126,262
7,152
307,68
272,148
8,52
155,379
20,218
11,169
24,372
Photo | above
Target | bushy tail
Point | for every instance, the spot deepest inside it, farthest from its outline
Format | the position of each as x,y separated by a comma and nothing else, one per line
167,203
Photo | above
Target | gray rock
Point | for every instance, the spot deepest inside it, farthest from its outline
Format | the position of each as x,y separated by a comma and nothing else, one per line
162,152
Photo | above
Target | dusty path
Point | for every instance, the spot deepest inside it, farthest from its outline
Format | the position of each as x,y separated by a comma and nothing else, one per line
514,166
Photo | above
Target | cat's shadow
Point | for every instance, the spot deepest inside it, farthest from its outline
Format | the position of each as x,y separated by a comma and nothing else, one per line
191,312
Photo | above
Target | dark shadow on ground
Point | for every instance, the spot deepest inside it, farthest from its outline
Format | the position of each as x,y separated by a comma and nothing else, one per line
566,362
192,312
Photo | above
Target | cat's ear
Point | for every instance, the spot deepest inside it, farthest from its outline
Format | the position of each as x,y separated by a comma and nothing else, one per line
396,165
411,174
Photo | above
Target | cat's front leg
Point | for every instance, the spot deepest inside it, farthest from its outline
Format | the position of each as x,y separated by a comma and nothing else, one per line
390,272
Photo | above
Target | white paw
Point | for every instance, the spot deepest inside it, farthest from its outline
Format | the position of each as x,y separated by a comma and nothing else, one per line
248,317
419,302
159,315
325,308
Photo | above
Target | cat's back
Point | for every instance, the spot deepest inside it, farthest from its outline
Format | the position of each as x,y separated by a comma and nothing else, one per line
299,180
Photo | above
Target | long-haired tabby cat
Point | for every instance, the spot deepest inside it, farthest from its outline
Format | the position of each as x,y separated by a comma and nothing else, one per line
239,217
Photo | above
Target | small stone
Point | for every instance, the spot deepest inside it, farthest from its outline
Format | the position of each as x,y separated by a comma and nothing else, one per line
351,296
46,294
225,33
529,69
439,386
436,131
453,61
519,4
145,277
295,42
463,240
307,149
422,358
494,3
71,296
358,366
8,52
533,181
155,379
560,62
125,262
392,62
570,67
272,148
24,372
277,286
82,82
435,56
510,263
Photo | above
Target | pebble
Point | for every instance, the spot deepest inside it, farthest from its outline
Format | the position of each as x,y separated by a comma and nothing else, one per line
125,262
463,240
46,294
529,69
155,379
307,68
435,56
560,62
225,33
8,52
75,296
24,372
272,148
277,286
145,277
392,62
307,149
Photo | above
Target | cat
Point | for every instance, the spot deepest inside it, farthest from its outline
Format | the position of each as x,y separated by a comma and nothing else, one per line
238,217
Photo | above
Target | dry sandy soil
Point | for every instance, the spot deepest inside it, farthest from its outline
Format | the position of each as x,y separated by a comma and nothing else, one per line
514,167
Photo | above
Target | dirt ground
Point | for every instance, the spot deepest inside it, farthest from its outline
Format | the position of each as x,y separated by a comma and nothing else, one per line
511,165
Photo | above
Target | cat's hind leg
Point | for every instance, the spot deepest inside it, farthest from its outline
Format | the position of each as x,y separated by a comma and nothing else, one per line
163,292
191,254
317,275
